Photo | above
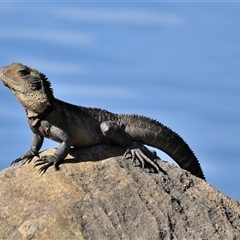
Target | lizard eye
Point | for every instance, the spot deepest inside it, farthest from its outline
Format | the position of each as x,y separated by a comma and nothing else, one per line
23,72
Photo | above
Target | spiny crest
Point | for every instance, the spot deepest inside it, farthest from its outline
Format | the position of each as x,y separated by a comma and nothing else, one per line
46,82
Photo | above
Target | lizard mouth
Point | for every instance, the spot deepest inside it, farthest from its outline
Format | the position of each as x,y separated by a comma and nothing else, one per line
3,77
6,85
5,80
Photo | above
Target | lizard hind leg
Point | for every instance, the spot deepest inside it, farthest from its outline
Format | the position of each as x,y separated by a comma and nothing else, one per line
135,150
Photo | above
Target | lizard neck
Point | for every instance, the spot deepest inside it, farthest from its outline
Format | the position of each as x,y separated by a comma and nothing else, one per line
34,118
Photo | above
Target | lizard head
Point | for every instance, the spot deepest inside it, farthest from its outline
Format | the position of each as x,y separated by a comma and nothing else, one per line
30,87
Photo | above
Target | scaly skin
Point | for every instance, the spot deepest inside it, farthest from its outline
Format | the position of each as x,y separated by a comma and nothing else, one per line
78,126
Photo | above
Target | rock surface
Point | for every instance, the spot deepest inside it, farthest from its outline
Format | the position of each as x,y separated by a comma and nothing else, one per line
98,195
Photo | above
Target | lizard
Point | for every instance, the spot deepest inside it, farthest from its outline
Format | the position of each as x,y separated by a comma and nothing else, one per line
77,126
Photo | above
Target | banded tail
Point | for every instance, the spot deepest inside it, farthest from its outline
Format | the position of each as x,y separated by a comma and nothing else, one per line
155,134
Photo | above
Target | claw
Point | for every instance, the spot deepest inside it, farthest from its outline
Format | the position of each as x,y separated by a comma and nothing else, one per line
141,157
44,168
27,158
136,151
45,162
127,153
40,162
16,160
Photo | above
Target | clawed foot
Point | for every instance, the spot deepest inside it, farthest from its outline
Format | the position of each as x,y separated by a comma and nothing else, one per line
27,158
47,161
138,151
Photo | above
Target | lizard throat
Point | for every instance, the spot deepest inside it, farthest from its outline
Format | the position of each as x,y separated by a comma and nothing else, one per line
34,118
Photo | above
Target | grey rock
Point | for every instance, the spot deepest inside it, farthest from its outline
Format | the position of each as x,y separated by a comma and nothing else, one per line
100,195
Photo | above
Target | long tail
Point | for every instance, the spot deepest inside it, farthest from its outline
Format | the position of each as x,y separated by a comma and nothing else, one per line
155,134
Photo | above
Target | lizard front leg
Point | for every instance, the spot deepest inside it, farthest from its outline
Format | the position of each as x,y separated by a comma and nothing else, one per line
37,142
135,150
58,135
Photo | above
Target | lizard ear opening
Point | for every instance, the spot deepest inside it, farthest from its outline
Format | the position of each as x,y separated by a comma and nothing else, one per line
37,85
